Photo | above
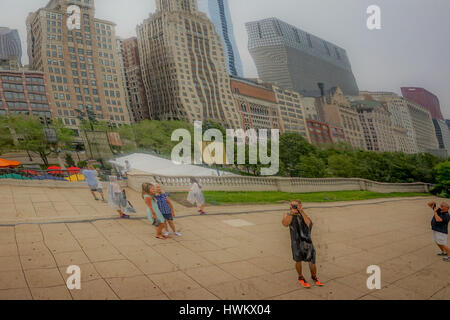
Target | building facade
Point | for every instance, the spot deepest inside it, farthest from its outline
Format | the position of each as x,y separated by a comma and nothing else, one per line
424,129
442,134
10,46
292,113
134,84
294,59
335,109
219,13
184,66
81,65
324,133
401,119
121,61
257,105
310,108
424,98
10,63
24,93
377,125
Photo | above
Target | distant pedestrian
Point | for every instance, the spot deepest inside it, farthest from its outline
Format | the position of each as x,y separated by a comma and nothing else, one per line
439,225
303,250
127,169
154,214
91,177
116,198
196,196
167,210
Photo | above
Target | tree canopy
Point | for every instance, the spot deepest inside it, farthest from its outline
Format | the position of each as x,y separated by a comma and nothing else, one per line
26,133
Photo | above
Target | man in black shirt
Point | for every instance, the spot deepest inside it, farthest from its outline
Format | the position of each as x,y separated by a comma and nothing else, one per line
439,224
300,226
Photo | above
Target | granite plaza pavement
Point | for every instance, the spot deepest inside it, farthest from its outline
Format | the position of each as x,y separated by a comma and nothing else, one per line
235,252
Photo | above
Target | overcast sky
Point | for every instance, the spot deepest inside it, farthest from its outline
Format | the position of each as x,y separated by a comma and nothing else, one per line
411,49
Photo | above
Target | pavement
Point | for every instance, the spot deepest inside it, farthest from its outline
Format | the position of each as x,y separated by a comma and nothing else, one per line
238,252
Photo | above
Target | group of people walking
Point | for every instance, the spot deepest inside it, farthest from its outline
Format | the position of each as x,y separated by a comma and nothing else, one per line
160,210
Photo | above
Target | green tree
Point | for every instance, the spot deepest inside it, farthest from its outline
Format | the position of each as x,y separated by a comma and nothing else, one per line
442,188
293,146
69,160
342,166
31,137
6,138
311,166
153,135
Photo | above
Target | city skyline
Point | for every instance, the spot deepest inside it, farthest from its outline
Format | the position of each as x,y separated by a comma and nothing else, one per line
381,59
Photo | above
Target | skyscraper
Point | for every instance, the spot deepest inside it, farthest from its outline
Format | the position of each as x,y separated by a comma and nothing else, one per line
24,92
294,59
134,85
400,117
183,66
10,46
426,99
376,124
431,102
81,65
219,13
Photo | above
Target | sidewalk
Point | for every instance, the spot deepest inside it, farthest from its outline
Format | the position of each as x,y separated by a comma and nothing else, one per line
244,256
50,205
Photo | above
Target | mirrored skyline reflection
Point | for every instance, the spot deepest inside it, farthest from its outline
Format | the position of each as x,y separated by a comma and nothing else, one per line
403,53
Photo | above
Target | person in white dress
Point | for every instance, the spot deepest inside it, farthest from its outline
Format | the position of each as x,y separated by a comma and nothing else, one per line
196,196
116,198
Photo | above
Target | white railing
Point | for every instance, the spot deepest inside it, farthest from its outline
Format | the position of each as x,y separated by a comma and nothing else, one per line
300,185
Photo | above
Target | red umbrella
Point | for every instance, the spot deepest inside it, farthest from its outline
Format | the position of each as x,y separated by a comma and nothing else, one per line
54,170
73,170
33,173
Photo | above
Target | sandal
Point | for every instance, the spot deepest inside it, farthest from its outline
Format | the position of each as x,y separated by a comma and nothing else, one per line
161,238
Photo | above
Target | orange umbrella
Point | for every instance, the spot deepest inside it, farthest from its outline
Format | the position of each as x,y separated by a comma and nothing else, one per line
8,164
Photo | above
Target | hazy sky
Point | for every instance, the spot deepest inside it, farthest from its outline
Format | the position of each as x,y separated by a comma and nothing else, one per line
411,49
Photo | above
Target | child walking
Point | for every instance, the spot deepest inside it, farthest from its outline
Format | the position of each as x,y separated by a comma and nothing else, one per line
91,177
116,198
196,196
154,214
167,210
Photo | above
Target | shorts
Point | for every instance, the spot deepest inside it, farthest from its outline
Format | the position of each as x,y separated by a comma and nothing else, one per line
440,238
168,217
96,189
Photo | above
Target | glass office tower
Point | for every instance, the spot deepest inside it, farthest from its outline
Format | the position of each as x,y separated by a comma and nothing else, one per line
219,13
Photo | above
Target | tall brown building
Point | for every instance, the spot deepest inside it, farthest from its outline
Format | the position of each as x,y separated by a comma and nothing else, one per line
257,105
80,65
133,77
183,66
334,108
323,133
24,92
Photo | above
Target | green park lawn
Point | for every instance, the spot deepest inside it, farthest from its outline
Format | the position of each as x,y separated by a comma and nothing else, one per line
227,198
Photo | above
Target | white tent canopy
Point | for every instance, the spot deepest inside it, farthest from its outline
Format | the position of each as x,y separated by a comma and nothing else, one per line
160,166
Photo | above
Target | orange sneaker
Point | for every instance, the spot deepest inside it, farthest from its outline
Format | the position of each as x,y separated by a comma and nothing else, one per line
303,282
317,282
